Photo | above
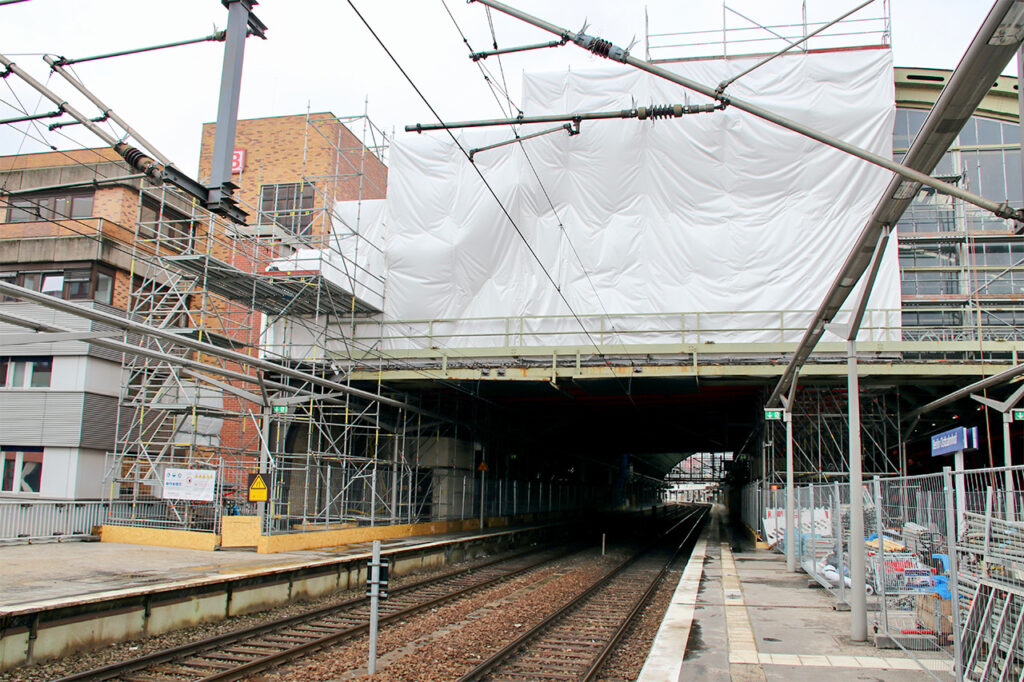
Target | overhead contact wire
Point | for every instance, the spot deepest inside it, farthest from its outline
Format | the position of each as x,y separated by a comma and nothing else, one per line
533,168
490,189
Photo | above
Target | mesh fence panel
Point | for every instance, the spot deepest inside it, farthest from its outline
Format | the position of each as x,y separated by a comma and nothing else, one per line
990,554
909,566
944,559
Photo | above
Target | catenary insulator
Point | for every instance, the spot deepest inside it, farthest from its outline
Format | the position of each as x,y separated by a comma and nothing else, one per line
139,161
600,47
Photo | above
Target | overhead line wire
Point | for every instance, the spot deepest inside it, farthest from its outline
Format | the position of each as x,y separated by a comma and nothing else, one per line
493,194
533,168
146,258
151,260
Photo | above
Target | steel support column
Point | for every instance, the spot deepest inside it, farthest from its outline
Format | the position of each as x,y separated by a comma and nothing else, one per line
790,498
239,20
858,595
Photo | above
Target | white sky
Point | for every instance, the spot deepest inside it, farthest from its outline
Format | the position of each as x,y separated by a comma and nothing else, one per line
318,54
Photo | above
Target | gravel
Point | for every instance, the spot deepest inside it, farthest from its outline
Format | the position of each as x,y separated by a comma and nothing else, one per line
629,656
445,642
122,651
440,644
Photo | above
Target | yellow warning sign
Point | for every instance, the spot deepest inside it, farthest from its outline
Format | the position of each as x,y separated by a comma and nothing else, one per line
259,491
482,467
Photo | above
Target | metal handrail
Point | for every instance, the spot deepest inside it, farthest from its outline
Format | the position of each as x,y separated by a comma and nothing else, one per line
518,331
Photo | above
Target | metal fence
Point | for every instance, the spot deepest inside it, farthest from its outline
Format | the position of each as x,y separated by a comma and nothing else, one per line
990,581
944,560
26,521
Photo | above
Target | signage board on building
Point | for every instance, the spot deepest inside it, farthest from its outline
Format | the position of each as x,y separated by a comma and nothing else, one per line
190,484
772,414
238,161
955,440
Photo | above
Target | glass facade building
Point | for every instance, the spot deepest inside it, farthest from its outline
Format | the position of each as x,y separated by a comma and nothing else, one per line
962,269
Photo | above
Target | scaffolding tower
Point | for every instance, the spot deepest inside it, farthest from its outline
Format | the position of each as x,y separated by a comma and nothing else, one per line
195,422
821,436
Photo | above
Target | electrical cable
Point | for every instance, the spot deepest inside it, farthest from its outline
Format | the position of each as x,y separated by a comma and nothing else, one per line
536,175
152,260
41,139
494,194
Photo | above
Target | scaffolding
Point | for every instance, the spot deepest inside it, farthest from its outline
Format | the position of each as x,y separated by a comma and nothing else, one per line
270,291
821,436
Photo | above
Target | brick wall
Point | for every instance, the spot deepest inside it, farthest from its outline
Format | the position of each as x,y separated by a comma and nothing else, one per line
284,149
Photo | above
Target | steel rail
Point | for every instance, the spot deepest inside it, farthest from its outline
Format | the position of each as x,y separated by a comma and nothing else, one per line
522,138
115,670
200,369
57,66
606,49
638,607
477,56
487,666
32,117
652,112
729,81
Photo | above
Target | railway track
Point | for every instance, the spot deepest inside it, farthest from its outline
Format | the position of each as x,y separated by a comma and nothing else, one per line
574,642
236,654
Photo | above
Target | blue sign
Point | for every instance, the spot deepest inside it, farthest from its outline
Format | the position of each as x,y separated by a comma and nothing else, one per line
955,440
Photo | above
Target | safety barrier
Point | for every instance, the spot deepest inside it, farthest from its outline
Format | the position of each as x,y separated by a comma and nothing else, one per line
944,557
26,521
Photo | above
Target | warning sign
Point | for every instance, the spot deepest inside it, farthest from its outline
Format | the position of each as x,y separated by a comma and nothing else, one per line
482,467
259,491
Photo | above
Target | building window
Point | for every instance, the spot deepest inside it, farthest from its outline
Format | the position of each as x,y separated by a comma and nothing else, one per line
157,220
77,283
289,205
36,207
930,283
922,255
34,372
8,278
52,284
933,318
997,254
21,469
104,291
997,282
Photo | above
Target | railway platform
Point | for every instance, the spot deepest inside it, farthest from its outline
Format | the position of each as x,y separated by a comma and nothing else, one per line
61,597
739,615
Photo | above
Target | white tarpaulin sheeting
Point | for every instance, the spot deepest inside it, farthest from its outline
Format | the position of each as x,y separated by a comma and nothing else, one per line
719,212
353,259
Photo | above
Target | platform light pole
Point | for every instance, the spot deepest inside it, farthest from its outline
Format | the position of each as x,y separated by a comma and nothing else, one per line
790,492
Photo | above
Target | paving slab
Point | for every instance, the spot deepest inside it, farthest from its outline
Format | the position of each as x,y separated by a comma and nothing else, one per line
48,572
753,620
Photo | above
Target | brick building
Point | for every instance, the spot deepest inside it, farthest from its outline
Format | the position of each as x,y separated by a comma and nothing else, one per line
81,225
67,230
292,168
